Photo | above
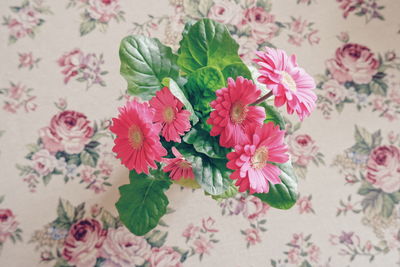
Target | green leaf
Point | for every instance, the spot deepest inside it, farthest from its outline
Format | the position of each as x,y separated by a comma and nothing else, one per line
211,174
142,202
178,93
145,62
156,238
284,195
46,179
197,8
237,69
89,157
230,192
87,26
272,115
204,143
207,43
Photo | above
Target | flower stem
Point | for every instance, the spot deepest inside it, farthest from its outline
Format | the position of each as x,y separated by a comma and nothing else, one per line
261,99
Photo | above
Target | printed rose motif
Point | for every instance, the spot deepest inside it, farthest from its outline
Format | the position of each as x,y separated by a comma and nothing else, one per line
8,224
165,257
225,11
353,62
125,249
247,47
252,236
103,10
254,208
383,168
191,231
313,253
43,162
71,62
69,131
302,148
261,23
208,225
83,243
18,96
202,245
305,205
294,256
26,60
334,91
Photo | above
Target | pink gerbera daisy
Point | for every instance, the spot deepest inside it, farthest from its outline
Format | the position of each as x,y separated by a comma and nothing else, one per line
137,143
178,167
233,115
251,161
169,112
289,83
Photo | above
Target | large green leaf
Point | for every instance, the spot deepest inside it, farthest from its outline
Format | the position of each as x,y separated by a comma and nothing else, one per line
284,195
230,192
142,202
211,174
145,62
204,143
208,43
273,115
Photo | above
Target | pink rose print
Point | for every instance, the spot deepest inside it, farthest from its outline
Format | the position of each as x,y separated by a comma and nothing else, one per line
305,205
383,168
90,177
27,60
252,236
225,11
8,225
18,96
302,148
44,162
191,231
83,67
300,30
25,20
208,225
334,91
254,208
69,131
83,243
165,257
353,62
294,256
262,24
202,245
103,10
370,9
125,249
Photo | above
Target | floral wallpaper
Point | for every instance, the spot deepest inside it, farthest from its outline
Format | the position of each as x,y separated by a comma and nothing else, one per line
60,85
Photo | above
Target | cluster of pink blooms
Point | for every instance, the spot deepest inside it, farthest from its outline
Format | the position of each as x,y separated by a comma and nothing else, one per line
235,118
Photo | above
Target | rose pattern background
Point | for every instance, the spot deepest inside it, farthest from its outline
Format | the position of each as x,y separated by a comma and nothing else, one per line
60,84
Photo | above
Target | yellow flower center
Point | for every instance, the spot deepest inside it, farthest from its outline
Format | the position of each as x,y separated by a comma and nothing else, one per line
135,136
238,112
288,81
168,114
260,158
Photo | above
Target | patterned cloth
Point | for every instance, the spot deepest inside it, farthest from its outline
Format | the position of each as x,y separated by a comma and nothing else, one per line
60,85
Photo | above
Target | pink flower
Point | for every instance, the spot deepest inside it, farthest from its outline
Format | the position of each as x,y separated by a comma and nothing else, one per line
83,242
305,205
344,37
302,148
226,12
313,38
313,253
165,257
294,256
202,245
71,63
254,208
289,83
393,137
394,94
353,62
334,91
383,168
191,231
137,144
233,115
44,162
16,91
29,105
169,113
261,23
178,167
103,10
208,225
298,25
252,236
69,131
10,107
87,174
125,249
95,210
295,39
26,60
16,29
105,168
8,224
251,161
